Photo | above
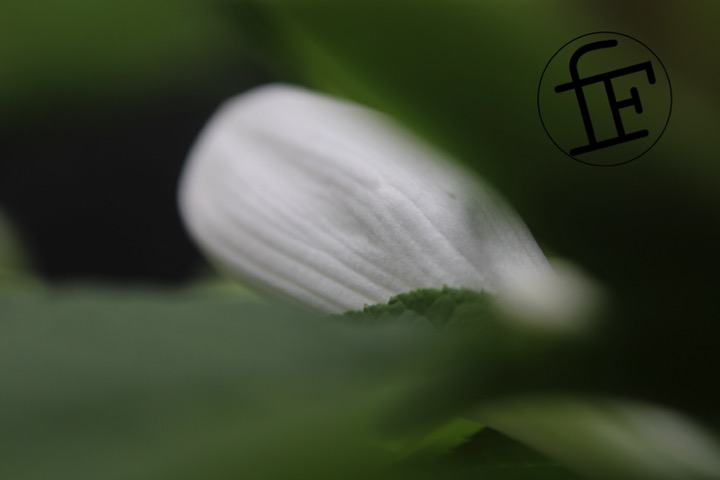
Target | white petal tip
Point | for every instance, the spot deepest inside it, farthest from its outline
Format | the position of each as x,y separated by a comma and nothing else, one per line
337,206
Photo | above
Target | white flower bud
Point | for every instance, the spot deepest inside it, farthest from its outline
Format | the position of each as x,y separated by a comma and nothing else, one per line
335,205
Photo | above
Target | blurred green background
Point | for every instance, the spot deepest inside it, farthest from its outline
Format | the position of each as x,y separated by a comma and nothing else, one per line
99,103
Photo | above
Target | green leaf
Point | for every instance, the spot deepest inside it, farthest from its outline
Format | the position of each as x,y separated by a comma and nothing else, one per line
438,308
510,378
204,383
191,384
490,454
609,438
13,262
82,51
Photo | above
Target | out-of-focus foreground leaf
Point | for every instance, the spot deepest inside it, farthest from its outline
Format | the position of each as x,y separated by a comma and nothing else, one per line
199,384
610,439
100,384
489,454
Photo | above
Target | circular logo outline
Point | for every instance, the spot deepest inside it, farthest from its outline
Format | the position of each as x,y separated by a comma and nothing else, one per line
540,83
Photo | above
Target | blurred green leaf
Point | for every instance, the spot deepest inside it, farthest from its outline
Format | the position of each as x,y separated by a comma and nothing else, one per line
609,438
76,52
13,262
206,383
112,384
490,454
533,385
101,383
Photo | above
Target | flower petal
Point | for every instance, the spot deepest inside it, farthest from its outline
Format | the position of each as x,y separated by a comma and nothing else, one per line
335,205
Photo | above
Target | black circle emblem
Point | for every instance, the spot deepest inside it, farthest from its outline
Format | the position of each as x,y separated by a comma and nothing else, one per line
604,99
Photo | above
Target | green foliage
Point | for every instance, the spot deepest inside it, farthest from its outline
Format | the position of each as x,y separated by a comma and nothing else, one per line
490,454
148,384
12,257
204,383
427,306
74,53
108,384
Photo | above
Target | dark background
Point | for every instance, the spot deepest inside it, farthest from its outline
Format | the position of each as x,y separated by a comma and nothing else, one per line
99,105
93,190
